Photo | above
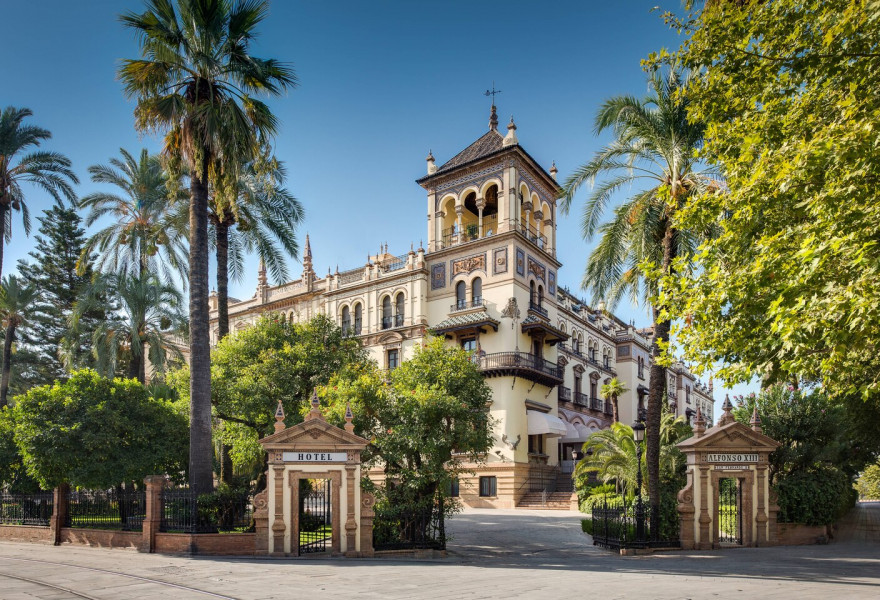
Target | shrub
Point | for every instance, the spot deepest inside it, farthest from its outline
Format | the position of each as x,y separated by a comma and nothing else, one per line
816,497
587,526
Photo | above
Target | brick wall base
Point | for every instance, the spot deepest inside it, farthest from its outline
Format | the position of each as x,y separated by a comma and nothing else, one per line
101,538
24,533
798,534
210,544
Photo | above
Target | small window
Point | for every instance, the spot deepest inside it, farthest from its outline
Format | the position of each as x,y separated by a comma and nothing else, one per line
393,357
346,321
386,312
453,488
469,344
488,487
460,294
399,308
477,291
536,444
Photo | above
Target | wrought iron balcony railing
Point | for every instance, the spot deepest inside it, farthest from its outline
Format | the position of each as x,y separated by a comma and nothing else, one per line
465,305
520,364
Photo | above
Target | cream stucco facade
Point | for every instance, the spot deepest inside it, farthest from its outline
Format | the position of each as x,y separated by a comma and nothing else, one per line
488,281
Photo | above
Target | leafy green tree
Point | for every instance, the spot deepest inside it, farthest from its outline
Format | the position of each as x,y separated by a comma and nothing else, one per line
613,390
425,419
820,454
868,483
148,326
790,288
654,151
195,82
13,476
46,350
15,307
142,236
270,361
95,432
49,171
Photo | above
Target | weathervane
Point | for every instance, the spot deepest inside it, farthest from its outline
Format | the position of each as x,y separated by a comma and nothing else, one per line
492,93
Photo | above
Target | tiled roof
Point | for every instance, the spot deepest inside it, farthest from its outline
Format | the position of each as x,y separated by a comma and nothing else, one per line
490,142
465,320
533,322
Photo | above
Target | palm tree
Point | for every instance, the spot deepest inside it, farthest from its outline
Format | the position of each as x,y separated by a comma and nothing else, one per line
141,237
195,82
653,150
151,321
47,170
15,301
614,389
266,215
611,453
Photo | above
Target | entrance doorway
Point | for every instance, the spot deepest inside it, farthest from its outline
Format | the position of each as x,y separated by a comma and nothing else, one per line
315,518
730,522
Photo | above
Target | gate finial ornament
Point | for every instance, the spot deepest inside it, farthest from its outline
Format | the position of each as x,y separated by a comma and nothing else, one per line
756,421
315,412
349,426
727,417
699,423
279,417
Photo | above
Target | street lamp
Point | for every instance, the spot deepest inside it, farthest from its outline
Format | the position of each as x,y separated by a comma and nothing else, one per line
639,435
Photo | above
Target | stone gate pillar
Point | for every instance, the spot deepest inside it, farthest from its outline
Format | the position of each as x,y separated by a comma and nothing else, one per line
731,450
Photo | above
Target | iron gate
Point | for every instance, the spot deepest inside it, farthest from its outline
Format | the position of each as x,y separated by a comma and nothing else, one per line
315,524
729,511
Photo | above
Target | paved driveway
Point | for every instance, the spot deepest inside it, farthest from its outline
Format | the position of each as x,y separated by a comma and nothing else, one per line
495,554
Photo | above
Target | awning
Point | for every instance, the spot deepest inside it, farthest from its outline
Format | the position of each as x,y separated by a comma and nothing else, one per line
544,423
576,433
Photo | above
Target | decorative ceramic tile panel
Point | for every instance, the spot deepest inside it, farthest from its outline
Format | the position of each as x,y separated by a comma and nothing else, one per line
438,276
499,261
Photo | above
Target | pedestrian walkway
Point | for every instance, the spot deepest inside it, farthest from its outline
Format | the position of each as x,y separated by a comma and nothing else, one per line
861,524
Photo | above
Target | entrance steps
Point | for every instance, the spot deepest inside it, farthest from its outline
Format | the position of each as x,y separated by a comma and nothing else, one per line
546,501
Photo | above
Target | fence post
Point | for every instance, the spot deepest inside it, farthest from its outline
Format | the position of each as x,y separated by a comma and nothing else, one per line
153,518
59,512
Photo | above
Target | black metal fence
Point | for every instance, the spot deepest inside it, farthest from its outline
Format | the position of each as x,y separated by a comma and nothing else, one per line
183,511
123,509
26,509
620,525
409,528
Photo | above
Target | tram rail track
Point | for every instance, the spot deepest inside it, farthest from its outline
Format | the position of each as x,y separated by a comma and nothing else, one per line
105,571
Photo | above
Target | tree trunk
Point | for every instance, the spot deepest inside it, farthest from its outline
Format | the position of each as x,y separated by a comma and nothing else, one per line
3,211
223,323
201,472
656,390
7,361
137,365
615,416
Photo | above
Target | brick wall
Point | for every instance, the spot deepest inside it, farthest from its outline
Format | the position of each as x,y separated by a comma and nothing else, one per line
101,538
235,544
24,533
798,534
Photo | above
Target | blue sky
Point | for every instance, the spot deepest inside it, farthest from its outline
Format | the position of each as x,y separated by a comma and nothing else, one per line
381,83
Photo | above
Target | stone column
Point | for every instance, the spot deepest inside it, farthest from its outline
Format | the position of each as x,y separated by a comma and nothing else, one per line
761,513
367,514
706,540
350,520
153,519
686,512
459,211
60,504
261,523
481,204
278,525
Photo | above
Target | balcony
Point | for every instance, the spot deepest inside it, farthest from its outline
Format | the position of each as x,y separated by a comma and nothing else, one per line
465,305
469,232
392,321
564,393
538,239
581,399
520,364
537,308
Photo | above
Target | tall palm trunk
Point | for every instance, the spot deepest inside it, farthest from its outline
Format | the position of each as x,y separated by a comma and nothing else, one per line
222,228
615,415
137,368
201,473
3,210
7,362
657,389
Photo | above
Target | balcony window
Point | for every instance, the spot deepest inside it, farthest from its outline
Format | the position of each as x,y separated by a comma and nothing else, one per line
358,318
399,308
461,295
536,444
386,312
469,344
346,321
477,291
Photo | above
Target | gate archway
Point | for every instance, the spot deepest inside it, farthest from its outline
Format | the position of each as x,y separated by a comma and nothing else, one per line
727,500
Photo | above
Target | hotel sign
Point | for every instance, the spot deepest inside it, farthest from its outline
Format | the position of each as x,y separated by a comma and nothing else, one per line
315,457
732,458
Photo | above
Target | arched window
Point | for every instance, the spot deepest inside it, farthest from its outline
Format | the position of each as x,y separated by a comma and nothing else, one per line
346,321
358,318
540,296
532,295
460,295
386,312
398,310
477,291
594,387
641,364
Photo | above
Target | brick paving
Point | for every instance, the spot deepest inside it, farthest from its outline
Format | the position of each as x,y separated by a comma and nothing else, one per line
495,554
